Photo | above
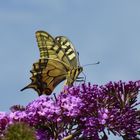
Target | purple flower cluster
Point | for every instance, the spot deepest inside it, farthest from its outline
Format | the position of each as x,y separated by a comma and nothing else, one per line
82,112
4,121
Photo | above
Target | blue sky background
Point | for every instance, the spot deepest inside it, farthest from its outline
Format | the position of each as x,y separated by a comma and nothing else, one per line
107,31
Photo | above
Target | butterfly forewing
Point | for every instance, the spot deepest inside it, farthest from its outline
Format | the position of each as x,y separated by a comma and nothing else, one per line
71,56
48,47
45,43
69,50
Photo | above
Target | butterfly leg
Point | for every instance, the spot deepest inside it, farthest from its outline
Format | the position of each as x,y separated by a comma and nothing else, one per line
80,79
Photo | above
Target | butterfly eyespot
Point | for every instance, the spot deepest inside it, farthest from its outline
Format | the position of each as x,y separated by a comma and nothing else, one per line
47,91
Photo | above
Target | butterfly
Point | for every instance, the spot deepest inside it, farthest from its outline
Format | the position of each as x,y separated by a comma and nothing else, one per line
58,61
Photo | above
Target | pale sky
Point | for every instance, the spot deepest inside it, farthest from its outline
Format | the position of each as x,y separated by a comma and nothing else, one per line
107,31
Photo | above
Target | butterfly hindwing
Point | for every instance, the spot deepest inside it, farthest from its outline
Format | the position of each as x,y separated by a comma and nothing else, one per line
45,80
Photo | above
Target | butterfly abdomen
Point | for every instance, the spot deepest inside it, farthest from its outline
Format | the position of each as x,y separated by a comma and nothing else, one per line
72,75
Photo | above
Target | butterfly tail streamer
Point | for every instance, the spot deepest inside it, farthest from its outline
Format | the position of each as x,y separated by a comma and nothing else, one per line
28,86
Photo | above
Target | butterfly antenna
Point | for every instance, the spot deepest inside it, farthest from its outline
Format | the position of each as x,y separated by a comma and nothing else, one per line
81,79
91,64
